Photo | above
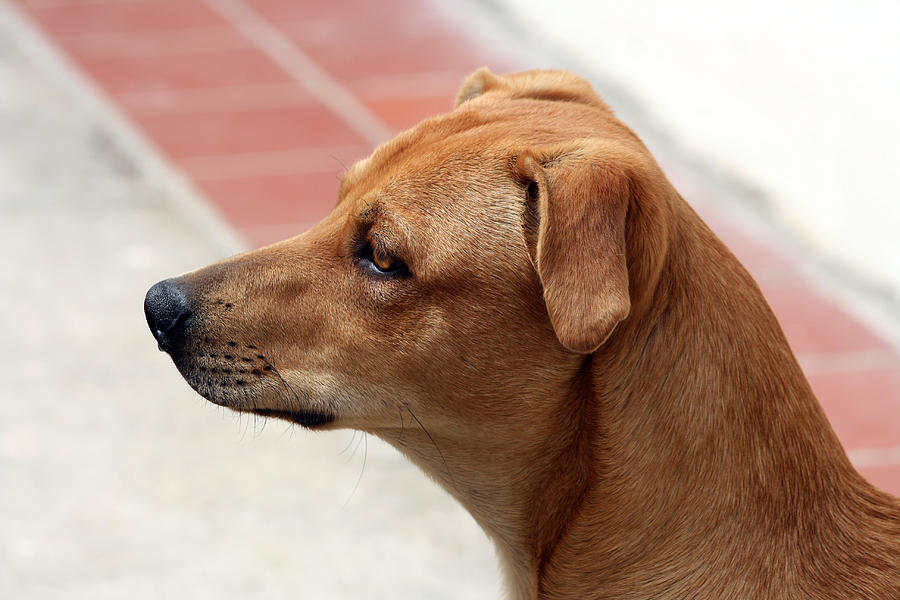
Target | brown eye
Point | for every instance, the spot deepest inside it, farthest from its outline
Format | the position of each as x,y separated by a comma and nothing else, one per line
373,257
384,262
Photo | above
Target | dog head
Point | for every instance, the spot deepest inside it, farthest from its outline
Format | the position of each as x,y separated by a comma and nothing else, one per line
470,265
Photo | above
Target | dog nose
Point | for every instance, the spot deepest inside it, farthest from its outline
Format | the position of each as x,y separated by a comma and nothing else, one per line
168,310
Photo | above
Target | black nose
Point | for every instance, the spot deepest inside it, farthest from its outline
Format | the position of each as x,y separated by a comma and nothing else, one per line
168,311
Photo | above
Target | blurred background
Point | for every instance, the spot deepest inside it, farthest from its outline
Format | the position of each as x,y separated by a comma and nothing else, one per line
143,138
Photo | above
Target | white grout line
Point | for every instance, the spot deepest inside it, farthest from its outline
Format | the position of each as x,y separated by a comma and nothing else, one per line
230,166
215,99
434,84
278,232
840,362
182,197
43,4
157,43
875,457
303,69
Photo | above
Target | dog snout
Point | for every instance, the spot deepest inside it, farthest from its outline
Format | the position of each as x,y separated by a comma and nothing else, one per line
168,311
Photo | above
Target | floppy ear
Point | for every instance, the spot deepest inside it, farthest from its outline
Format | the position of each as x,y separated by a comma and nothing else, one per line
582,195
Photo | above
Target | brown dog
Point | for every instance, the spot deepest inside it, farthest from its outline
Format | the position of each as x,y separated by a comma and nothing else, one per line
514,296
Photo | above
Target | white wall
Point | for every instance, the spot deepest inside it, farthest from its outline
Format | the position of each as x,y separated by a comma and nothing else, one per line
798,98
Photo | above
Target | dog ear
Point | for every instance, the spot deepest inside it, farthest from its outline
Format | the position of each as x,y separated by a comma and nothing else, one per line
475,85
581,195
554,86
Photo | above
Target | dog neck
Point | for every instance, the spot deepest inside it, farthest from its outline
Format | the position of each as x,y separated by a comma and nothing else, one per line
716,472
521,482
687,457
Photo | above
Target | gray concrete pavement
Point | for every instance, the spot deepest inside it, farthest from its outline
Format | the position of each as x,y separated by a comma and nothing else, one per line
116,480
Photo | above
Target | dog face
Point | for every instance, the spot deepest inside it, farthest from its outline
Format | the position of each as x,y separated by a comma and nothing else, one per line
469,264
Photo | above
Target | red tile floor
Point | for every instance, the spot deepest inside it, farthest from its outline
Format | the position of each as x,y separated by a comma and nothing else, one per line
263,102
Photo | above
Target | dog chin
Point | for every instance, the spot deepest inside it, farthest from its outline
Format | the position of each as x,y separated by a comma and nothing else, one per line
307,419
245,401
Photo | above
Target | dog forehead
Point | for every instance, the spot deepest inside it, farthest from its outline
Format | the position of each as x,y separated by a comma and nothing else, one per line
428,170
453,201
422,158
486,128
447,197
459,167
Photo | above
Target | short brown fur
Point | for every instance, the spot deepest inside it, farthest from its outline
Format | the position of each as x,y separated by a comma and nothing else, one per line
572,354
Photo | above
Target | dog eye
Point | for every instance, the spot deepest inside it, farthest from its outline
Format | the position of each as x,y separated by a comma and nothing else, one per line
382,261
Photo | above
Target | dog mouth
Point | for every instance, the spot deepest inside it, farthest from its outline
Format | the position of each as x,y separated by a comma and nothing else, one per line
225,376
242,381
232,373
307,419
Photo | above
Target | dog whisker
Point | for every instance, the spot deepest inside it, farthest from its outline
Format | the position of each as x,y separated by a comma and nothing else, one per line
340,162
436,447
350,443
402,424
355,448
293,393
265,421
362,470
288,430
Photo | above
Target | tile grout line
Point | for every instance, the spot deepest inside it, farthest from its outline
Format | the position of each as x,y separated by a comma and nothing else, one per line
815,363
280,49
217,98
875,457
180,193
116,45
263,163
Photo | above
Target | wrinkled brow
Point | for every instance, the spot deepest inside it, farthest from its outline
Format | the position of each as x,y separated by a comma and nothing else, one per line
390,224
370,211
